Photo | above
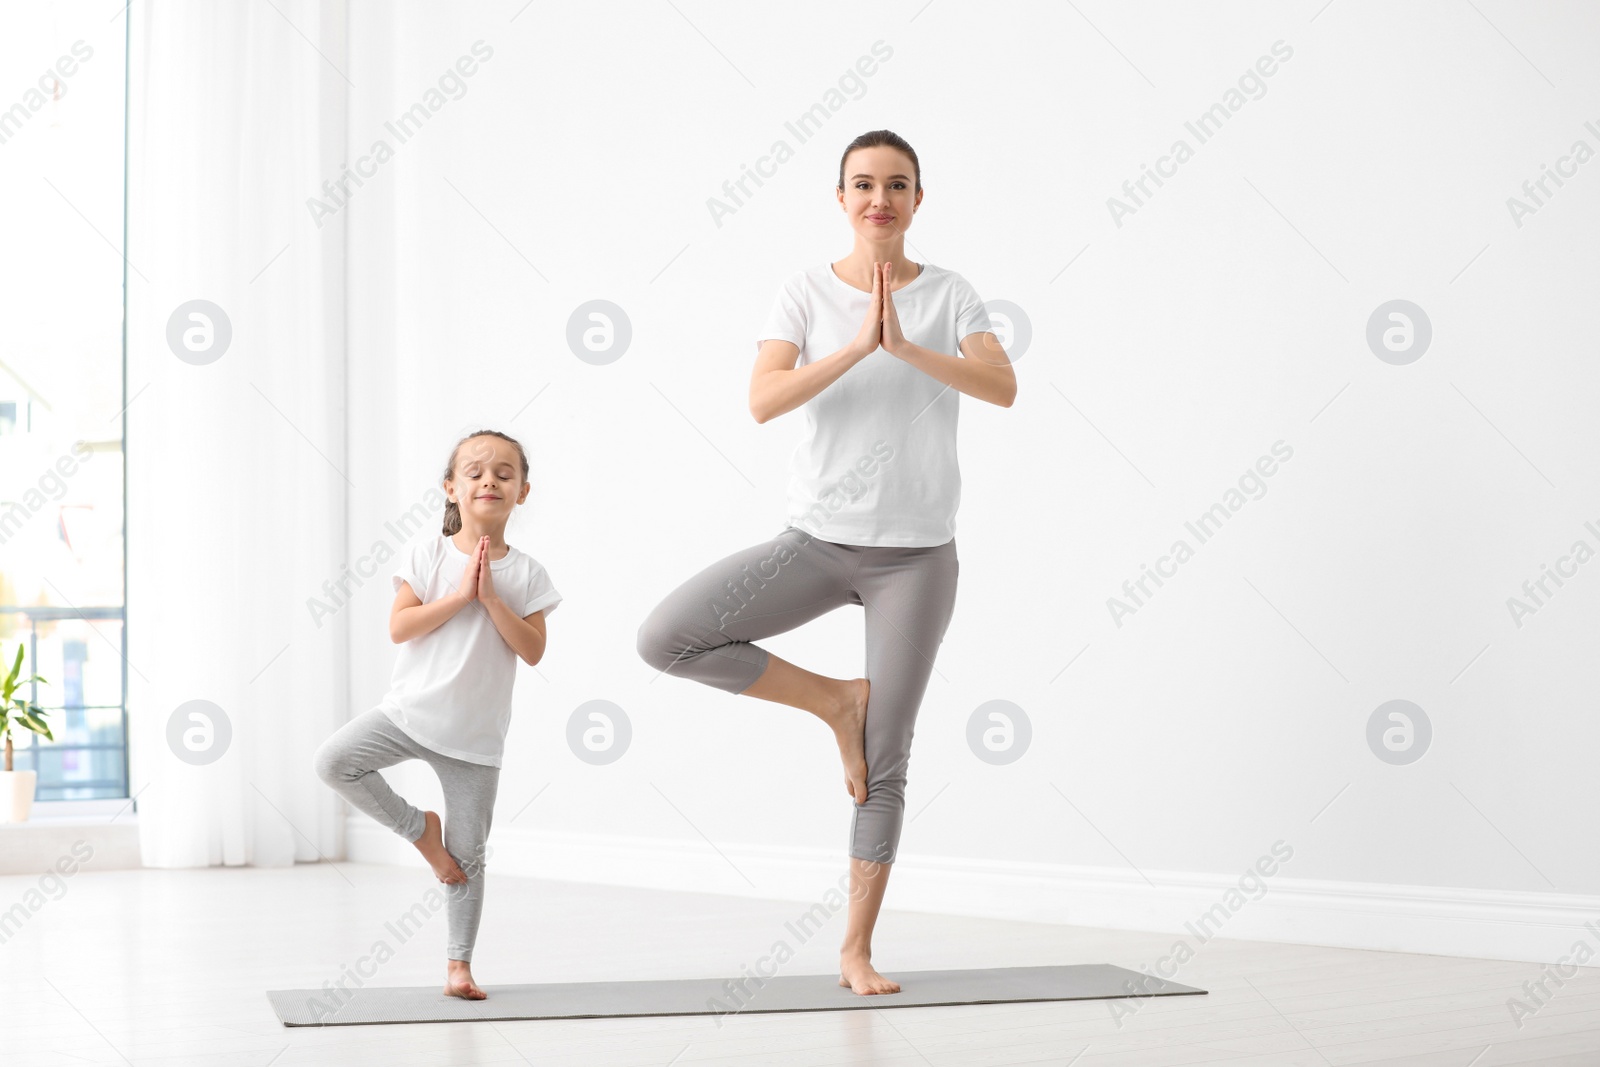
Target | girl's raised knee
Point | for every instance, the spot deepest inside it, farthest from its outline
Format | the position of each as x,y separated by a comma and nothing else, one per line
325,761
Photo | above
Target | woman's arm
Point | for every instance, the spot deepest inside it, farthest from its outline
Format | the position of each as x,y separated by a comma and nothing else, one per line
410,617
776,386
985,372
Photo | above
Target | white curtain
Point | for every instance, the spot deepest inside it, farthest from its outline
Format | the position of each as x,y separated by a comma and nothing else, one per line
237,477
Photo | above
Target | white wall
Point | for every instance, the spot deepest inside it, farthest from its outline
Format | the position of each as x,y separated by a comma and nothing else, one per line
1169,354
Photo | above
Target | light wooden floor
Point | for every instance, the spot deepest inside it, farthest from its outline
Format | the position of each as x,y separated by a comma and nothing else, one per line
171,967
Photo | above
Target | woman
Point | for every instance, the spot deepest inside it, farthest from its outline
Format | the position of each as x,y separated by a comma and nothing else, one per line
873,491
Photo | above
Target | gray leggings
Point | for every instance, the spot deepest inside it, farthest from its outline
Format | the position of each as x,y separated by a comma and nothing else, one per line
349,761
703,630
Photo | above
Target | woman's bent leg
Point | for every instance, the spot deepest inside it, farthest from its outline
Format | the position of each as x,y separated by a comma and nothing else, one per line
349,760
704,628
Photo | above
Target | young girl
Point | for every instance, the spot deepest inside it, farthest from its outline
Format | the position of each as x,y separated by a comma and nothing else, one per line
467,606
876,350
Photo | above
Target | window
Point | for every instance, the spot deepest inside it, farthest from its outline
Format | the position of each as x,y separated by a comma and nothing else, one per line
63,136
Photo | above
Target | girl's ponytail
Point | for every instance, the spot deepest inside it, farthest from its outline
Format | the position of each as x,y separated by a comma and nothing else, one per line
452,518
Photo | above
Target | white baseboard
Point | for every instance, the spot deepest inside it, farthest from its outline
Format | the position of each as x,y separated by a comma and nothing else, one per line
1486,924
77,842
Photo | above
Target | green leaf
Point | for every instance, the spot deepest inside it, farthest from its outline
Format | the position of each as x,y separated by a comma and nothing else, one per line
38,727
16,669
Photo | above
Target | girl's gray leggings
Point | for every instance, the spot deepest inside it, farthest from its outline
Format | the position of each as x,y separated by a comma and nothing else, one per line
349,761
703,630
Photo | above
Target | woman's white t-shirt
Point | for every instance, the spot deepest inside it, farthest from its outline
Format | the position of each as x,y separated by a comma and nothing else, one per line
877,463
451,688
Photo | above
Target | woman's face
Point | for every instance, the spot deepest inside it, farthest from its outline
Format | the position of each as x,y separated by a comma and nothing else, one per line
878,196
488,481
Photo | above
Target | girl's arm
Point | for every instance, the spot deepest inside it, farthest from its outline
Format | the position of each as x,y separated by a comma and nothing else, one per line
410,617
525,635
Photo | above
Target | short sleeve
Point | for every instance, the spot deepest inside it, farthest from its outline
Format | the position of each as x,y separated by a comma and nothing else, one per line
540,594
786,319
971,316
412,570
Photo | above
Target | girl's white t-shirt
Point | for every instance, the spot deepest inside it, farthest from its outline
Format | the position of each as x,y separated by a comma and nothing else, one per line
877,462
451,688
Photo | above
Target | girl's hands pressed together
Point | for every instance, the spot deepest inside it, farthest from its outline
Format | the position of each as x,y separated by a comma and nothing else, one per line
470,577
486,591
892,337
870,334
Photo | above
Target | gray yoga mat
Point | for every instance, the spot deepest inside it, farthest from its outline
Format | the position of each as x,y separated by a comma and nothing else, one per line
712,996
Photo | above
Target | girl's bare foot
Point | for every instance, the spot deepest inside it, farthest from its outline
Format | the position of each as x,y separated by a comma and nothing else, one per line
856,972
431,845
849,722
458,982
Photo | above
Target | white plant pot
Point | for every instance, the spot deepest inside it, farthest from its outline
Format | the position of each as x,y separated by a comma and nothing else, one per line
16,794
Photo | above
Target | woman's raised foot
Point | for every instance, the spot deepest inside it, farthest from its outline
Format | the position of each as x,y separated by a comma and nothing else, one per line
850,730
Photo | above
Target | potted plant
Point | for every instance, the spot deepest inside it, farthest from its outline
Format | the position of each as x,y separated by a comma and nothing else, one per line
16,787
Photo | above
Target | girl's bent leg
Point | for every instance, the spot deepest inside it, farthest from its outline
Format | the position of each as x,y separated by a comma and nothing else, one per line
348,761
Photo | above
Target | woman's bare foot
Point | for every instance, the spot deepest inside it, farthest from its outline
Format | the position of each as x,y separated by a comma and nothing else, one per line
431,845
458,982
849,722
856,972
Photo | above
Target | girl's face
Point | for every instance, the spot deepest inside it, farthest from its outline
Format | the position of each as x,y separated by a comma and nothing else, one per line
878,195
488,480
